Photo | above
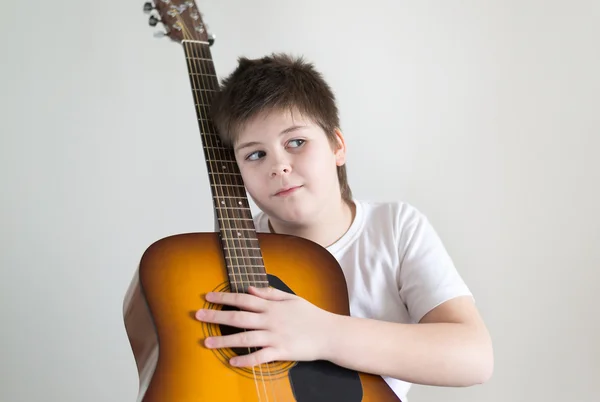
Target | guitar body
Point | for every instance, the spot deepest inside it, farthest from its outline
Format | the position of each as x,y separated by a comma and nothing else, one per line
167,341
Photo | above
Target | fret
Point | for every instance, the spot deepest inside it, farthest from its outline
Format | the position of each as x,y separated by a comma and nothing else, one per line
205,90
251,239
225,174
232,193
239,237
251,282
223,161
228,185
217,147
234,206
219,155
228,217
234,211
239,212
230,181
198,58
249,266
243,211
239,193
255,257
224,226
238,233
230,197
239,246
202,74
246,274
215,142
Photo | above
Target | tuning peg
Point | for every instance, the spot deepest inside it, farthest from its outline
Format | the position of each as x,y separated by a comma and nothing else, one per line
160,34
148,7
153,21
211,39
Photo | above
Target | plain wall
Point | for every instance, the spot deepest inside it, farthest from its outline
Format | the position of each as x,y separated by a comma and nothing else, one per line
484,115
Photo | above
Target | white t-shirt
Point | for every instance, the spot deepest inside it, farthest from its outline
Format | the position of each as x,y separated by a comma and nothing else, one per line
395,264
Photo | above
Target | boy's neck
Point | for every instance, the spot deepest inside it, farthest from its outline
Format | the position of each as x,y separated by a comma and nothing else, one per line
325,229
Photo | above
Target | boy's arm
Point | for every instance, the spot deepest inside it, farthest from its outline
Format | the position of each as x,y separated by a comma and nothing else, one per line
450,346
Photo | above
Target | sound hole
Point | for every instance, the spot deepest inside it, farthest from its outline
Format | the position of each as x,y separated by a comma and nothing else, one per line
229,330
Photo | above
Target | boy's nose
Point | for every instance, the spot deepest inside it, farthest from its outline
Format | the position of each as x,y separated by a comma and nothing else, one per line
280,169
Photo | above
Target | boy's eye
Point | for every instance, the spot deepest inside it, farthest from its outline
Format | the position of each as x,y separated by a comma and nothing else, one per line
299,143
255,155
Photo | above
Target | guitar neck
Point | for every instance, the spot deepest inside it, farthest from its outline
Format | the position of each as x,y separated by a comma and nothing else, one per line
234,217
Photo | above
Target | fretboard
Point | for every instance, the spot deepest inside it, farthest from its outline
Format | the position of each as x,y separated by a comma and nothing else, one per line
239,241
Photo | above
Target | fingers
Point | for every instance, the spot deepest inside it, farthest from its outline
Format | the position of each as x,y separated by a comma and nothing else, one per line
238,319
265,355
244,339
270,293
243,301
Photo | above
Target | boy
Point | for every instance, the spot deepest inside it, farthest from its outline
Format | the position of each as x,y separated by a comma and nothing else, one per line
413,319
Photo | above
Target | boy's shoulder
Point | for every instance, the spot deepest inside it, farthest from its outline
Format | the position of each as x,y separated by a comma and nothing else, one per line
388,209
396,216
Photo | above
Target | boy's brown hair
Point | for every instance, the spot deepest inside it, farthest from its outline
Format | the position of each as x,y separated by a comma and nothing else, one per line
276,82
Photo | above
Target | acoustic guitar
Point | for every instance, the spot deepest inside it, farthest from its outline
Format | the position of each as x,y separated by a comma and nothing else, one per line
175,272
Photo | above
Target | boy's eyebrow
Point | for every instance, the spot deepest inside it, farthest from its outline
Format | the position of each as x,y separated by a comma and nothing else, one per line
286,131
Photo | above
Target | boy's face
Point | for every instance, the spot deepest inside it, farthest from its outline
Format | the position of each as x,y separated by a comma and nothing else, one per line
289,166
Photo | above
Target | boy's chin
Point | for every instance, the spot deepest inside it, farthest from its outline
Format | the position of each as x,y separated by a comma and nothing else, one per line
296,215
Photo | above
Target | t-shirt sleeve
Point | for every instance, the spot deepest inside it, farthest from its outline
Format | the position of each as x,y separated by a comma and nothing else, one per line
427,276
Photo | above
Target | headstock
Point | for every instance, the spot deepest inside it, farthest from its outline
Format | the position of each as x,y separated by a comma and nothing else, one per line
181,18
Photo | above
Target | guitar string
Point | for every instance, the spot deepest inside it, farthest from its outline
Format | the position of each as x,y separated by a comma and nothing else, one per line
218,189
229,179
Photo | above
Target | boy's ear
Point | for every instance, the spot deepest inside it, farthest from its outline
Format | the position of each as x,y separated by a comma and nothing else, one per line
340,149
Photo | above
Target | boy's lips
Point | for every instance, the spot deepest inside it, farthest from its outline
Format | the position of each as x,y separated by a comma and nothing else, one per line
286,191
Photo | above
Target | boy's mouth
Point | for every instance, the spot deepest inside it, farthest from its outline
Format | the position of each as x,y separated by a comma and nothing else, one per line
282,192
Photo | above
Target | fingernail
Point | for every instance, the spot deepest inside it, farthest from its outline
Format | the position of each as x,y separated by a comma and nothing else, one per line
233,361
200,313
